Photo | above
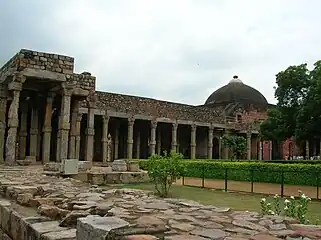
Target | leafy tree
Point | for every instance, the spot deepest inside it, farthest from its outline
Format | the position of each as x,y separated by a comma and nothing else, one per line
297,112
165,170
236,143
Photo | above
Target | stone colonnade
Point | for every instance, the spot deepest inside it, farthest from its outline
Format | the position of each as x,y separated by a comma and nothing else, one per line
68,139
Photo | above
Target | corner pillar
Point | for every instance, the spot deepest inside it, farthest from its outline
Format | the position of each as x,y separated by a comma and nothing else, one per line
152,144
193,141
3,111
13,122
104,138
210,142
130,141
174,136
47,129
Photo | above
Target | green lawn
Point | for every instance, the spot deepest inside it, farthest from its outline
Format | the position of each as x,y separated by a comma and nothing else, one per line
236,201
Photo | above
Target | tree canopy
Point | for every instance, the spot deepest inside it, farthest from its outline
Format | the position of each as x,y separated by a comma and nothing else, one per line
236,143
298,110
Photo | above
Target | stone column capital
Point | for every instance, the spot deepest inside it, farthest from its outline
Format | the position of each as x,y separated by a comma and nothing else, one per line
50,97
153,124
131,121
211,127
193,127
66,92
79,117
105,119
175,126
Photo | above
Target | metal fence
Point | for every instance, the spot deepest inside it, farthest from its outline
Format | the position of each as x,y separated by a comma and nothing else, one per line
253,186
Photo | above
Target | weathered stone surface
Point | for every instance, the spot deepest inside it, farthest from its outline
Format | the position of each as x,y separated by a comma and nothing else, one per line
52,211
69,234
215,234
98,228
145,215
37,229
71,218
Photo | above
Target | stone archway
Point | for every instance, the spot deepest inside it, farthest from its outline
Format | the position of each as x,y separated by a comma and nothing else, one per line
216,148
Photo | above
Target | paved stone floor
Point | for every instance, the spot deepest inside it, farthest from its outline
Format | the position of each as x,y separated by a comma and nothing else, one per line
65,200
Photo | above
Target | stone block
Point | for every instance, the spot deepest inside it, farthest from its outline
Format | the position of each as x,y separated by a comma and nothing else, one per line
5,212
24,162
119,166
133,167
99,228
97,178
15,223
84,165
52,167
62,235
37,229
69,166
25,226
31,159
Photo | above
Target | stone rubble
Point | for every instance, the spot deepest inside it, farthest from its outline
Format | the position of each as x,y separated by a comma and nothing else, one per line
64,208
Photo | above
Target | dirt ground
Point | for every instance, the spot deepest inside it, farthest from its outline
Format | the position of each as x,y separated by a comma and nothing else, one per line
264,188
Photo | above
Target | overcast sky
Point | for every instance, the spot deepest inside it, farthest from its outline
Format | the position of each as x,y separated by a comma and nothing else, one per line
175,50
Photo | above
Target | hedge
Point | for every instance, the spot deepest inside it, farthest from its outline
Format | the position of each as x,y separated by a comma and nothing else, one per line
294,174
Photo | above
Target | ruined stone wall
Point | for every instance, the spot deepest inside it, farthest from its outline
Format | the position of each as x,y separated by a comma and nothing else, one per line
49,62
151,107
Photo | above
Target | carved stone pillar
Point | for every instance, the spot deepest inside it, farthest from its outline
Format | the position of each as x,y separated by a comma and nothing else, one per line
77,144
64,125
249,145
159,141
219,147
58,140
34,132
152,144
260,150
3,111
307,149
116,142
104,138
193,141
47,129
23,131
138,145
210,142
13,122
174,136
90,133
73,130
130,141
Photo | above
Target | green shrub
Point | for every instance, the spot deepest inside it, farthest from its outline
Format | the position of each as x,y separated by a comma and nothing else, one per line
294,174
164,171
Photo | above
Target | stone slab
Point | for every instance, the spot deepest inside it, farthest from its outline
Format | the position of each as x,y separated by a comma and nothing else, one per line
98,228
69,166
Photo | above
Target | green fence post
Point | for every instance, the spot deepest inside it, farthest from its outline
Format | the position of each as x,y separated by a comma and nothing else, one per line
225,179
282,183
318,174
252,179
203,176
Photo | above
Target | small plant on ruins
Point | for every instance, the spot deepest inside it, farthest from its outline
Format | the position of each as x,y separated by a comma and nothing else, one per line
164,170
295,208
236,143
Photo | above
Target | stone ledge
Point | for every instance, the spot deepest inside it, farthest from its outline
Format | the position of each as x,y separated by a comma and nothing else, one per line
15,226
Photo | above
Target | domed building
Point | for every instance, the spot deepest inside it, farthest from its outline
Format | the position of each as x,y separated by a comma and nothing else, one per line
50,113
